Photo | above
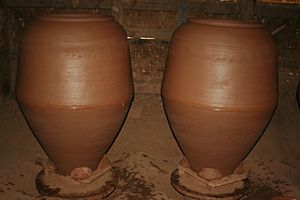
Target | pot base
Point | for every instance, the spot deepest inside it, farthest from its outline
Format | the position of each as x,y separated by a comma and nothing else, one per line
102,182
190,184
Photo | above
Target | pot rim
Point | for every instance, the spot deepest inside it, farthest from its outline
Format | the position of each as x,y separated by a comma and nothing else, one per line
225,23
74,17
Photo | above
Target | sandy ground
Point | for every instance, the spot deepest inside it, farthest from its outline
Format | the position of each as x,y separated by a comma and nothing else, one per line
145,152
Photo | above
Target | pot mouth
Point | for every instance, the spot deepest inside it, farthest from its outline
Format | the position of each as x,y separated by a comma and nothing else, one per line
74,17
225,23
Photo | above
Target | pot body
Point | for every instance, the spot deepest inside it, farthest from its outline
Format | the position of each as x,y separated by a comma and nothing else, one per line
284,198
74,86
219,90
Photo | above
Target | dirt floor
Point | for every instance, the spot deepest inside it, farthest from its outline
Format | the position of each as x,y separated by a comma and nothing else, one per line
145,152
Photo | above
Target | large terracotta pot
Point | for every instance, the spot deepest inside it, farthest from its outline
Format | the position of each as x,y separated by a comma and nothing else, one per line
74,86
284,198
219,90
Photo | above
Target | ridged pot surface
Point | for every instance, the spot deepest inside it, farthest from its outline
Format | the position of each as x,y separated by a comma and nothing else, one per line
74,86
219,90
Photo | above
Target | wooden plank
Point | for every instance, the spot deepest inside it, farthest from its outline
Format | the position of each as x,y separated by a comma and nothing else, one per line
151,4
106,4
217,7
280,1
149,23
210,6
214,7
246,9
287,11
182,11
149,33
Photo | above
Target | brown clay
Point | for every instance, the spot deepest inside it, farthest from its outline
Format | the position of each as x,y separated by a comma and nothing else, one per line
219,90
74,86
284,198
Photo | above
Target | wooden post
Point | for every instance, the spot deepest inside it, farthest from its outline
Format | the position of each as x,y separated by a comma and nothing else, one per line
247,9
182,11
118,10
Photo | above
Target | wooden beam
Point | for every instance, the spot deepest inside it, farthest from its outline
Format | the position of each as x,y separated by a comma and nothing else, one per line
182,12
278,10
214,7
246,10
151,5
106,4
163,35
217,7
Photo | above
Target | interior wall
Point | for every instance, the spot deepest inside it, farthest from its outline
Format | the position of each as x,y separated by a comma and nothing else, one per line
10,30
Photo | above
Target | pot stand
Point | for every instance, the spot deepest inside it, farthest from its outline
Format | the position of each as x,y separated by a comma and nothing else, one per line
190,184
100,183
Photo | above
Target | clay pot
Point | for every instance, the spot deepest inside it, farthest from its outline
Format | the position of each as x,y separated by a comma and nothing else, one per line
74,86
284,198
219,90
